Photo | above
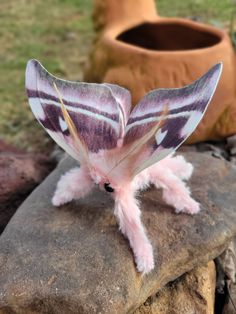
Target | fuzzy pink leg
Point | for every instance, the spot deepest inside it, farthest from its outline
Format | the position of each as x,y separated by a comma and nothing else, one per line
175,192
128,215
74,184
178,165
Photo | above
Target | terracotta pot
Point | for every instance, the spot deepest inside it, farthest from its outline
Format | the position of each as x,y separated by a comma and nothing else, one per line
141,51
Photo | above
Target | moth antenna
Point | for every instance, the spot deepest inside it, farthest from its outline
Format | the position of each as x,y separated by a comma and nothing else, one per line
136,147
74,133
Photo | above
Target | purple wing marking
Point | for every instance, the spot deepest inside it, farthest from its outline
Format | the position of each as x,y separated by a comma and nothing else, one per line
186,107
92,107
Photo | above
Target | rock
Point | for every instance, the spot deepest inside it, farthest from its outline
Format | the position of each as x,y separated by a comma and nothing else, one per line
230,306
194,292
226,280
231,141
5,147
226,266
73,259
20,173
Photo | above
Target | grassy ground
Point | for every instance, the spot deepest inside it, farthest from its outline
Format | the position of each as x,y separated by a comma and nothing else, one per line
59,34
216,12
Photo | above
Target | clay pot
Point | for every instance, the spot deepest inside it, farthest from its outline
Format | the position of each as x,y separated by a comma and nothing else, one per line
141,51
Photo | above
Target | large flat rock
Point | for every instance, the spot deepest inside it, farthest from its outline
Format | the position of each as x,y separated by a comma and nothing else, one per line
73,259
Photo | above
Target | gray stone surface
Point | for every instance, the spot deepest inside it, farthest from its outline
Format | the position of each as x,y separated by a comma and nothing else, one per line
74,259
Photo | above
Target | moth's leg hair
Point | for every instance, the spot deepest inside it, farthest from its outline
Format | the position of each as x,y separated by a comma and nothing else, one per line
128,215
74,184
141,181
178,165
175,191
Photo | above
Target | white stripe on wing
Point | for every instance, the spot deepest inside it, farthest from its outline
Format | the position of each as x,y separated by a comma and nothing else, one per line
100,117
186,114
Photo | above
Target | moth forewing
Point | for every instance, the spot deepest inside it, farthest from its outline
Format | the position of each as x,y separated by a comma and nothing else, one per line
72,129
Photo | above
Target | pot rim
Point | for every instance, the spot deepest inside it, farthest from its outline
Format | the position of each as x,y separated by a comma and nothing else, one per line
111,34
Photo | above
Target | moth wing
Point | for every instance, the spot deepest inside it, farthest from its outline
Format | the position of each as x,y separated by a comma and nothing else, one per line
123,98
92,108
186,107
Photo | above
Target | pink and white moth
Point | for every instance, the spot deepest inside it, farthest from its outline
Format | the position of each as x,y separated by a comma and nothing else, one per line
120,150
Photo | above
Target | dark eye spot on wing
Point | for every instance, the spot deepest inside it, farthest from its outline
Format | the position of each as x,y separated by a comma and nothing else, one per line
108,188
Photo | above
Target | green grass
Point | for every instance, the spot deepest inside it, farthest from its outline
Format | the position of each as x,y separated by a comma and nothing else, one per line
59,34
208,11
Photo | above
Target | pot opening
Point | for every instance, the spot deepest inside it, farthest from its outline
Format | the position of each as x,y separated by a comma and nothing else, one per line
171,36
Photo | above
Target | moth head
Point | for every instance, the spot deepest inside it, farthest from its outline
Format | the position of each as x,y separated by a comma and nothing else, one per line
108,187
101,180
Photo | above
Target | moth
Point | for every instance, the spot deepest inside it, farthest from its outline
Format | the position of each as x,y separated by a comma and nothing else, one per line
120,150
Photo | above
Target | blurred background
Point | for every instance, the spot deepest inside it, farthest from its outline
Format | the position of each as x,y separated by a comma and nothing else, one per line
59,33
